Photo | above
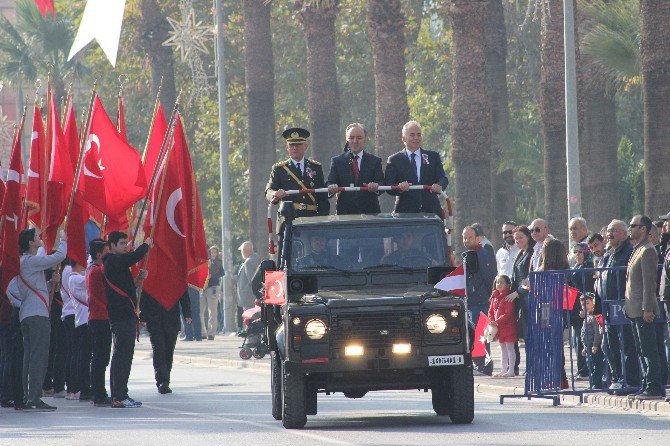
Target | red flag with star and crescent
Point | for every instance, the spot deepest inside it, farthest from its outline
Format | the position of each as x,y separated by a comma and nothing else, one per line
12,209
179,256
479,349
112,177
44,6
36,166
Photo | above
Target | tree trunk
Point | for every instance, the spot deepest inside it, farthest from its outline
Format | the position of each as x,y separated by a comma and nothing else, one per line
504,200
259,79
414,14
385,27
151,35
323,95
655,35
552,117
471,115
598,152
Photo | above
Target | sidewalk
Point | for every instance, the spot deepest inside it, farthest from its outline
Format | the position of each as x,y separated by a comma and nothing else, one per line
224,351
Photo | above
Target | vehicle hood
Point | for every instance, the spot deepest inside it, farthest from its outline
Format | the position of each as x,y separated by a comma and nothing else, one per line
369,297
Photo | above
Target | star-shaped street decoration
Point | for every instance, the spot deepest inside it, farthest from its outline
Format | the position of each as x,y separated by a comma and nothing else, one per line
188,36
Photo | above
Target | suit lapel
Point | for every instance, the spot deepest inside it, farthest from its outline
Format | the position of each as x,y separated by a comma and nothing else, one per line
365,167
424,167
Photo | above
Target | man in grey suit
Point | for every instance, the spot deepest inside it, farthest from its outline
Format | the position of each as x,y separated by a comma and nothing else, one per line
642,306
245,295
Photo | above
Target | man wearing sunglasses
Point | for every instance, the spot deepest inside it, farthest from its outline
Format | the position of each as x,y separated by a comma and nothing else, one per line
508,251
539,230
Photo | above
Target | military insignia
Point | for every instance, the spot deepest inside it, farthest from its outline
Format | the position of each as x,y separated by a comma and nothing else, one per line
424,156
316,163
295,135
310,173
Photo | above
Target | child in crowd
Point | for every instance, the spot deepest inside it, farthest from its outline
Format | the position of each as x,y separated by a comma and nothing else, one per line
592,338
501,315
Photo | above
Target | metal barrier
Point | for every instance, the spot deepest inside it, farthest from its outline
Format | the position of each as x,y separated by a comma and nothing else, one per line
548,317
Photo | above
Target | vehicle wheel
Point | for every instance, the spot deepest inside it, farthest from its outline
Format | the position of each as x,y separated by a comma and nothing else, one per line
259,353
245,353
275,384
440,396
461,389
294,414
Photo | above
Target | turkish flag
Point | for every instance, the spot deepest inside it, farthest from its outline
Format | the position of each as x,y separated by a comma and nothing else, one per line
112,177
12,207
569,297
44,5
479,349
178,226
166,279
61,177
79,215
158,131
275,287
36,165
454,282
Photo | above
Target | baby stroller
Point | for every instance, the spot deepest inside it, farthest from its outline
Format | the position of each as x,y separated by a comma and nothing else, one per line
253,344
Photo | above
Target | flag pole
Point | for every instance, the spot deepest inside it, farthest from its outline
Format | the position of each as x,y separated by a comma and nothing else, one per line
87,126
165,162
164,148
45,165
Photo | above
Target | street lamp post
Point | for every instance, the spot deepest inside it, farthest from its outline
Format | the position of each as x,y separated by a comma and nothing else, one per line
229,301
571,118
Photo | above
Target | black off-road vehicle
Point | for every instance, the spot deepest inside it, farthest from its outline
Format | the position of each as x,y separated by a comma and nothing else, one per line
362,314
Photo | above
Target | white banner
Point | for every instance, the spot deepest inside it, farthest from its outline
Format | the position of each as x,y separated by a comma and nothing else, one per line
102,21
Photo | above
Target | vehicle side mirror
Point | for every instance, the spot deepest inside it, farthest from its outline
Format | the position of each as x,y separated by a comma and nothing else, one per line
471,262
437,273
267,265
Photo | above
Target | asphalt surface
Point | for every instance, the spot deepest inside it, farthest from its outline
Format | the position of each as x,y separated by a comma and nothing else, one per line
220,405
231,405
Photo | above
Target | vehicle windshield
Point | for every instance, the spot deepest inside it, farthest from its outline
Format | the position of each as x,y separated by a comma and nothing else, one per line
357,248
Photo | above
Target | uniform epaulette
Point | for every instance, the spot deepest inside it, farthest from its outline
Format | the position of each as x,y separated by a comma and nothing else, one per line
311,161
281,163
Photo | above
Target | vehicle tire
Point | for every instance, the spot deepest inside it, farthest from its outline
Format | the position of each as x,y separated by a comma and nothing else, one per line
461,391
440,395
294,414
245,353
259,353
275,384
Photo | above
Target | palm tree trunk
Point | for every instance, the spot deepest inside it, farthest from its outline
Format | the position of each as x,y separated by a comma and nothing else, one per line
504,201
151,35
259,79
598,152
323,94
655,35
552,117
471,115
414,14
385,28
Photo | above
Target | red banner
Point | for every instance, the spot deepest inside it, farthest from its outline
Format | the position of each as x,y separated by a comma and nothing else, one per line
275,287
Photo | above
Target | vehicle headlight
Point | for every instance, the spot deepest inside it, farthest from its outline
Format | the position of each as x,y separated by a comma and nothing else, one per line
315,329
436,323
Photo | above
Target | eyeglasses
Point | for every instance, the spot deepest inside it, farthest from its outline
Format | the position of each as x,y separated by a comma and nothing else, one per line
535,229
508,232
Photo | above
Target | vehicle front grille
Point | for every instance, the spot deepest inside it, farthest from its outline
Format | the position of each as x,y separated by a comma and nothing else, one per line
374,330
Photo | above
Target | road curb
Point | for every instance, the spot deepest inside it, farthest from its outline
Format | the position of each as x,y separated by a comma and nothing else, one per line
203,360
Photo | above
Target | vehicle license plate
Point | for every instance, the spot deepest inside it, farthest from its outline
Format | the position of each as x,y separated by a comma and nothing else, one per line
445,360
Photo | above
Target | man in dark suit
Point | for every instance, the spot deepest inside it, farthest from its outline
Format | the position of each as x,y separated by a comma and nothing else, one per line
298,172
355,167
414,165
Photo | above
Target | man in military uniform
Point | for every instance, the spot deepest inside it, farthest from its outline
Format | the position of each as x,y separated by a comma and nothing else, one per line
298,172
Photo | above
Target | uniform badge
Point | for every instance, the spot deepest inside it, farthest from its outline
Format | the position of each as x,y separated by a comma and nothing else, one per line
310,173
424,156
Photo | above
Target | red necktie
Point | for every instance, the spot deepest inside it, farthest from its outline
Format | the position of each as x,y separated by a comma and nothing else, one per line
355,167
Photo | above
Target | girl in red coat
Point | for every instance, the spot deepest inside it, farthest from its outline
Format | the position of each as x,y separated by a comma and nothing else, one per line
501,315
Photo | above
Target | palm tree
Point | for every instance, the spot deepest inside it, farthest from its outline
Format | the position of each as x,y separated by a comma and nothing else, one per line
655,50
35,46
552,115
259,80
323,95
471,113
150,37
385,27
503,197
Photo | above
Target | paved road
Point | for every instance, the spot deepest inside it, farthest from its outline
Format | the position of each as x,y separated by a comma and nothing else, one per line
219,405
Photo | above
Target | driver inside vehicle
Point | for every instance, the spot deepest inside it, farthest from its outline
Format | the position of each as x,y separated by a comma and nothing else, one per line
319,255
407,254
